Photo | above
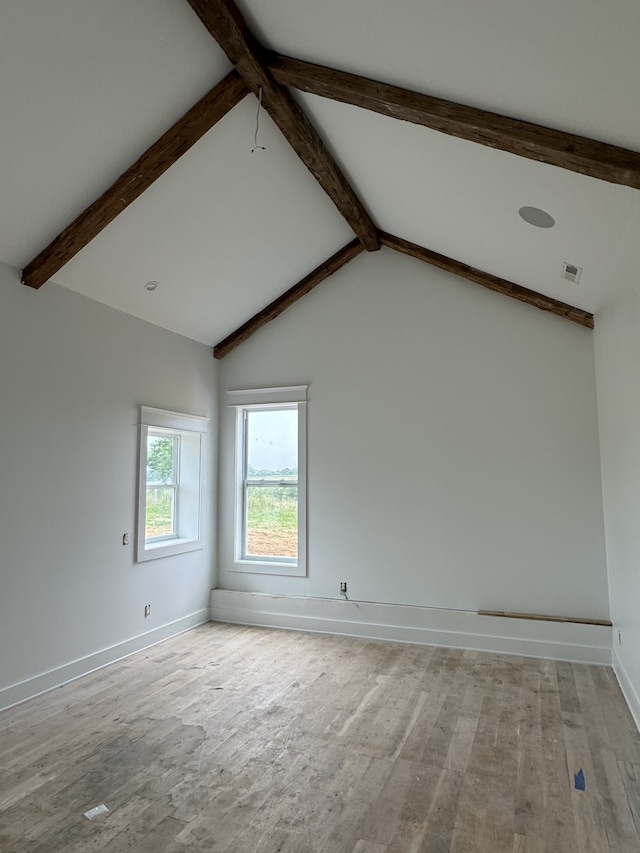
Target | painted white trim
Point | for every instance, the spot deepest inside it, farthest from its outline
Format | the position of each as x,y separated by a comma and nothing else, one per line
266,396
412,624
173,420
32,687
628,691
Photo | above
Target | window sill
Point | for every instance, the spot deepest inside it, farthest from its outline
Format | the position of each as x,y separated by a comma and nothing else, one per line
270,568
168,547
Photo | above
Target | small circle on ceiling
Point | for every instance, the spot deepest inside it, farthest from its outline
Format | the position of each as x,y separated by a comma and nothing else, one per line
537,217
151,286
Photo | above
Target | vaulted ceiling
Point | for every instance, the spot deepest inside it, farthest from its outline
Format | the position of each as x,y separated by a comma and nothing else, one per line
88,86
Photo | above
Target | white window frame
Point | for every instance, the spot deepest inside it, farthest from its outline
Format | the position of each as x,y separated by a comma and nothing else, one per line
294,397
189,467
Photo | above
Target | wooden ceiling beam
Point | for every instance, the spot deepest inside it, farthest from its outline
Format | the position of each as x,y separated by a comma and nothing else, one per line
492,282
554,147
275,308
225,23
130,185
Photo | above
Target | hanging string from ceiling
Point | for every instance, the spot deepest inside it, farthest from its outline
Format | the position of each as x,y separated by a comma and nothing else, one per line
255,135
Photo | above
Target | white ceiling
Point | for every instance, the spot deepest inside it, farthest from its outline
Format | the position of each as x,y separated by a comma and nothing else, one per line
87,85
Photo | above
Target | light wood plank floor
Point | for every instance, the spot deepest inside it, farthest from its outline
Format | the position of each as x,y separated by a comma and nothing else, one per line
243,739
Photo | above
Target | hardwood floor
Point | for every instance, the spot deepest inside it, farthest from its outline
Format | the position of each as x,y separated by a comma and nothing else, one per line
243,739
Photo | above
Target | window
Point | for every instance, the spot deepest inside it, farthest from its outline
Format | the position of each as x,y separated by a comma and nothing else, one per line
170,483
270,526
163,465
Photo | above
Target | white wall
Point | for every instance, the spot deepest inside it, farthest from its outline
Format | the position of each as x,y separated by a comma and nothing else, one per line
453,444
72,376
617,341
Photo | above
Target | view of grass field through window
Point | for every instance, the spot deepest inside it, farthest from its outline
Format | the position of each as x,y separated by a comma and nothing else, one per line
272,521
159,513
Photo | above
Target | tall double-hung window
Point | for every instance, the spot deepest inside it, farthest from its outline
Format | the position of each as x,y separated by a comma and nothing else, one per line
270,517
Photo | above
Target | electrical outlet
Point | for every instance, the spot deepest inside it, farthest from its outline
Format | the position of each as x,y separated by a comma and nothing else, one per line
147,610
343,586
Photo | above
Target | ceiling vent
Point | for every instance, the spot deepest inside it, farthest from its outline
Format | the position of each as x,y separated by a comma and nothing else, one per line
570,272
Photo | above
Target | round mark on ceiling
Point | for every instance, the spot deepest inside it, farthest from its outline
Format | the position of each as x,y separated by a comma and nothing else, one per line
537,217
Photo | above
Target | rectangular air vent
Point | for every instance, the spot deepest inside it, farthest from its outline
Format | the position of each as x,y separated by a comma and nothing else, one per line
570,272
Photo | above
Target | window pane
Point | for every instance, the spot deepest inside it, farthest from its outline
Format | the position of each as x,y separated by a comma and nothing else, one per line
272,444
272,521
160,512
161,455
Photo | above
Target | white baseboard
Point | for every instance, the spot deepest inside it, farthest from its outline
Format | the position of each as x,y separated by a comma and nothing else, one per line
32,687
627,688
412,624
